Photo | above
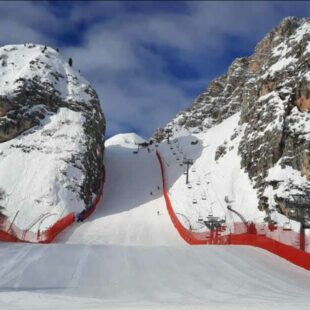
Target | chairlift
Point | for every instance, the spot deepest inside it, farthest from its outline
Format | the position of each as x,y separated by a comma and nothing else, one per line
200,219
185,172
189,185
181,164
287,226
174,153
177,158
193,169
194,201
203,196
198,182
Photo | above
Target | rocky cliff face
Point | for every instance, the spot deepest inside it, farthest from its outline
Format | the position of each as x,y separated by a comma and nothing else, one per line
271,90
50,120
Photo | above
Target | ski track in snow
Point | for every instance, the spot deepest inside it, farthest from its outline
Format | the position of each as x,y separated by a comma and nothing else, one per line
128,257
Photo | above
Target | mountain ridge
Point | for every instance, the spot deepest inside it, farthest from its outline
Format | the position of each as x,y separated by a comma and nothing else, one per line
271,91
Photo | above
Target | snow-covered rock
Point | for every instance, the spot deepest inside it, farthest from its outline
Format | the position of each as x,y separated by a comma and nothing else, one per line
51,136
126,139
270,91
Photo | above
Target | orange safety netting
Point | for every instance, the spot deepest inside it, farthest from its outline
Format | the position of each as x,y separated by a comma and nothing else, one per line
242,234
9,232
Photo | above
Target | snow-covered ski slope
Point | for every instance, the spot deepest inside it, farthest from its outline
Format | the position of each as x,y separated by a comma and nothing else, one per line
126,256
213,180
128,214
215,184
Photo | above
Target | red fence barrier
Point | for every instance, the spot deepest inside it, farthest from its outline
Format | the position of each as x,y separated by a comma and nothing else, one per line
248,234
49,235
9,232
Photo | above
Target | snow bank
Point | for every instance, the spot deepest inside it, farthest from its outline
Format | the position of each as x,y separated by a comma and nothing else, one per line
125,139
221,181
36,172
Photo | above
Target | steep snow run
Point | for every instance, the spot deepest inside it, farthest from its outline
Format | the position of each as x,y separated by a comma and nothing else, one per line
126,256
132,211
210,180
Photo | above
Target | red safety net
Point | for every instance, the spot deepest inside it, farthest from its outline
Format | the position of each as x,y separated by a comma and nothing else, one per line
9,232
242,234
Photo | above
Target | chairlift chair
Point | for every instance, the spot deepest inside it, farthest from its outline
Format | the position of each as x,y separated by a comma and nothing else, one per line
189,185
287,226
193,169
200,219
198,182
174,153
194,201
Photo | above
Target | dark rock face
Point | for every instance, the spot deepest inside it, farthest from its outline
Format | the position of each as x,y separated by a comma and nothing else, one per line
276,109
271,91
47,86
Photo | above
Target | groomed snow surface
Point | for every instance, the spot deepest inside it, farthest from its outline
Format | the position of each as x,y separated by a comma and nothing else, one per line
127,256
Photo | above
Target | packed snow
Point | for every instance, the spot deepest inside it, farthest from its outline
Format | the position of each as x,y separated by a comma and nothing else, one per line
132,210
128,255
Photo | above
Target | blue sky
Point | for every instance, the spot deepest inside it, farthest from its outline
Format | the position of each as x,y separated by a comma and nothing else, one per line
147,60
